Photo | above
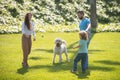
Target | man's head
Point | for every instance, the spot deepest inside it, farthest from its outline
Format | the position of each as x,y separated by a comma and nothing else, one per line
80,14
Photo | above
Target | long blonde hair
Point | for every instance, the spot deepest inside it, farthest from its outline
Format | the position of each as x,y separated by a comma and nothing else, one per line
83,35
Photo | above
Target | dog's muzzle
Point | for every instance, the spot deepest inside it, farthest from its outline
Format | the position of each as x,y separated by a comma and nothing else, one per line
58,45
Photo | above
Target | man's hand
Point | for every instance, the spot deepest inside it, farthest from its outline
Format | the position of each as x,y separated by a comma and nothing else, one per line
86,31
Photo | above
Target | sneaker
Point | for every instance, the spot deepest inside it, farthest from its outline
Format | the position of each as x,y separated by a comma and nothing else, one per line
73,71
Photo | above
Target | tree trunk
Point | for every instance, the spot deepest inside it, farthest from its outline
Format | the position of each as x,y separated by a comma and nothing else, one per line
93,16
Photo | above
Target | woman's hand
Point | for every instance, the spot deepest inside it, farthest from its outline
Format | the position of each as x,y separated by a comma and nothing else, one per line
34,39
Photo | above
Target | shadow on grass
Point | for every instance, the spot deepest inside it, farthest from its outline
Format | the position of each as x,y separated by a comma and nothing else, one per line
35,58
72,45
65,66
68,66
83,76
46,50
89,51
101,68
108,62
94,51
22,70
54,68
92,68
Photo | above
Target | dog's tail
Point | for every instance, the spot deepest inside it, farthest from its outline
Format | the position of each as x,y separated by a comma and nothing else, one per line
64,42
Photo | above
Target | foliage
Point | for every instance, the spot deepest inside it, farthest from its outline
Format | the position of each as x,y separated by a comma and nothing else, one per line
111,27
108,10
56,11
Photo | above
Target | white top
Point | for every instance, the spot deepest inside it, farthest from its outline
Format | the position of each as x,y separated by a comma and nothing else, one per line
26,31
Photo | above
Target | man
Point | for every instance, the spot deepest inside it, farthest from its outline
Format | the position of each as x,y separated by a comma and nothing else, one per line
85,24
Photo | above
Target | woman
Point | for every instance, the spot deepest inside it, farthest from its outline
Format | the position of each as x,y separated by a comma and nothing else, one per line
27,30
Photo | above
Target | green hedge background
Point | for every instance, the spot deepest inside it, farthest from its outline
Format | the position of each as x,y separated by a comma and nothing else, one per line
54,12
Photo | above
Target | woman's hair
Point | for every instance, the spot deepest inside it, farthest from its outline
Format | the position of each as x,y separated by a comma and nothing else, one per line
27,21
83,35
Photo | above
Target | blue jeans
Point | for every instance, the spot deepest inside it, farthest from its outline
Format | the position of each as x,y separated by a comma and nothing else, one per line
82,57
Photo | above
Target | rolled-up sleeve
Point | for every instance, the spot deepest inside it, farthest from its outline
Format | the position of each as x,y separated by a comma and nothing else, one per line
88,21
34,34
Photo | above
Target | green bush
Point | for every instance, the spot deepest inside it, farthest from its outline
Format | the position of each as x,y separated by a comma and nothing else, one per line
41,27
20,1
13,12
55,12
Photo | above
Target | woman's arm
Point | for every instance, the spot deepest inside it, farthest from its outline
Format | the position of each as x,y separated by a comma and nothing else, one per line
34,34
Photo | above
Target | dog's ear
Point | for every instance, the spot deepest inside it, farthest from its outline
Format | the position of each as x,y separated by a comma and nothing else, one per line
55,41
64,42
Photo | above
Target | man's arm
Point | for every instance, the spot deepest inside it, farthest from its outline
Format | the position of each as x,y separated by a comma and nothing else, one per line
89,27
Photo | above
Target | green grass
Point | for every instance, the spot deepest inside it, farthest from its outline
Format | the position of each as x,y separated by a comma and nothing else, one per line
104,61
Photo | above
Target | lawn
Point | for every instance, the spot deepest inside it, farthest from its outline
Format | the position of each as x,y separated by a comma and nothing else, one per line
104,58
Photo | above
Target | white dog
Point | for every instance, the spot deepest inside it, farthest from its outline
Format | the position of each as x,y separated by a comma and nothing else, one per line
60,47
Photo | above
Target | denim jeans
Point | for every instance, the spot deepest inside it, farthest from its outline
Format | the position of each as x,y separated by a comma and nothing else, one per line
82,57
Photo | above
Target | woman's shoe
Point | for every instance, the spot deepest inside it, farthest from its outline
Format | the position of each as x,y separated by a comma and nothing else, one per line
25,65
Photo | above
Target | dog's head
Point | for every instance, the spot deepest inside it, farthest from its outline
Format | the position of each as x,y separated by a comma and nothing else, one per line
58,42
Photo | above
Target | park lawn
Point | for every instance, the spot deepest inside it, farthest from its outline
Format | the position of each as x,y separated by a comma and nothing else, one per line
104,58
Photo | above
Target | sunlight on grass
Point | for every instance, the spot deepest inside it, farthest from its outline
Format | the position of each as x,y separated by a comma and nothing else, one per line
104,62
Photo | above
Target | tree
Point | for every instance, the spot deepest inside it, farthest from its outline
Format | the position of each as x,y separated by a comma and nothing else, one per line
93,16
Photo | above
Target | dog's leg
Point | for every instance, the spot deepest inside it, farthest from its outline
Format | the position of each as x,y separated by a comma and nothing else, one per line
53,61
60,58
66,54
